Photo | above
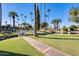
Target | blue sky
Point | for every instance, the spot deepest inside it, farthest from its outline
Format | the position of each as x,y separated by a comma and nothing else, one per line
58,10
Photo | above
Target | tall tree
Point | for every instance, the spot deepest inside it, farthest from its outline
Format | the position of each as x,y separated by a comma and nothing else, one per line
13,14
44,11
38,18
74,15
0,16
18,21
21,17
6,26
44,17
10,18
35,16
6,23
48,13
31,15
56,23
25,17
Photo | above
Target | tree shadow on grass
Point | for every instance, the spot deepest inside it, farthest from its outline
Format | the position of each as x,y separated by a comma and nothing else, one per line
7,37
58,38
29,35
7,53
33,34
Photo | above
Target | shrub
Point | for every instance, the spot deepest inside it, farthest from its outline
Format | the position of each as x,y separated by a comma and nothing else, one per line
65,28
73,27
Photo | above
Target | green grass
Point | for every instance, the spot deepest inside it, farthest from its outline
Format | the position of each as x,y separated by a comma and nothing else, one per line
6,34
65,43
61,36
18,46
29,32
2,34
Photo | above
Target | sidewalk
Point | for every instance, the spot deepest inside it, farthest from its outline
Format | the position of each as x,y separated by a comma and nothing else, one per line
45,49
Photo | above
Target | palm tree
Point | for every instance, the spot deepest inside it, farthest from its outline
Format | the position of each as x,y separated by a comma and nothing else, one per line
5,26
6,23
25,17
21,16
74,15
44,23
13,14
31,15
56,23
18,21
0,16
48,12
10,18
44,11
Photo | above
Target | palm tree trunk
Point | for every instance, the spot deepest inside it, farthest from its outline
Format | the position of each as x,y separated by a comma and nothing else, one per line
0,16
14,23
10,20
54,27
18,22
57,26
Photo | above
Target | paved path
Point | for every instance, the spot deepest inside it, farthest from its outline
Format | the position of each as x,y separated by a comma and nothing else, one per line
45,49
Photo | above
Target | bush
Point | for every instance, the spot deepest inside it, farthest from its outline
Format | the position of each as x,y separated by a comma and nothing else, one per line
65,28
73,27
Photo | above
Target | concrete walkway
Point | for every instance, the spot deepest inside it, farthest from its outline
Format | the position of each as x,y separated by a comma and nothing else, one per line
45,49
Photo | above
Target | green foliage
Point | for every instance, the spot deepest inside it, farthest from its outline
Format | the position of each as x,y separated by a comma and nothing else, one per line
73,27
56,23
27,26
38,18
44,24
13,14
65,28
74,12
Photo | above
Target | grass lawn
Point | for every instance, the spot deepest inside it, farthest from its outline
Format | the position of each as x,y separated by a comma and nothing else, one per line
6,34
17,46
66,43
29,32
2,34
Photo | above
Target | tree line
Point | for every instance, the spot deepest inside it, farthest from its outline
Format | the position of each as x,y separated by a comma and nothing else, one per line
73,17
